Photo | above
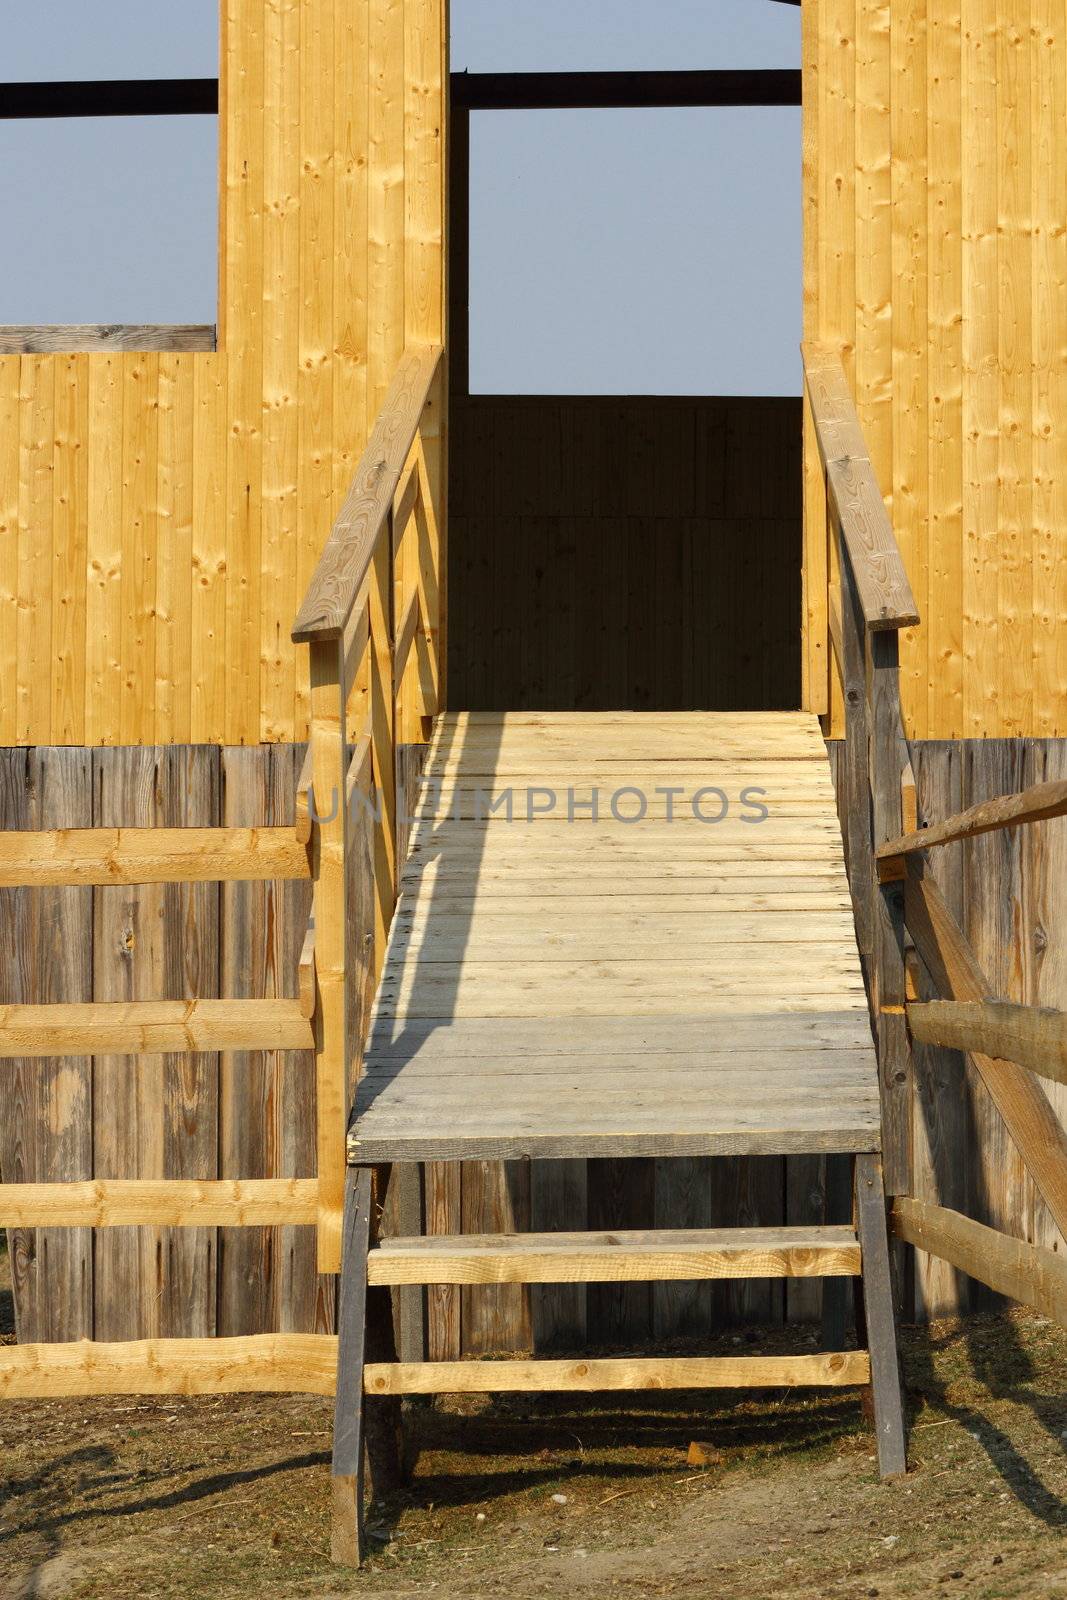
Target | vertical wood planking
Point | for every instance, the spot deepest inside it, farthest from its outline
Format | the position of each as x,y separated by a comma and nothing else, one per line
683,1199
9,546
980,382
187,968
940,640
244,191
351,114
45,1104
877,219
159,608
127,1091
280,594
209,584
558,1201
257,792
34,631
315,476
1048,166
173,614
904,471
155,1116
495,1199
140,548
443,1216
103,614
69,530
387,277
1014,364
621,1194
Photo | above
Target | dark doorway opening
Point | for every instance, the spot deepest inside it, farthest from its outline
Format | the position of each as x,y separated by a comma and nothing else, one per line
607,551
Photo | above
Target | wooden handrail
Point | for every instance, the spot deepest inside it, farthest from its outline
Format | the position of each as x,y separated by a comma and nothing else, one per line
1022,1102
1032,1036
346,559
372,621
852,489
874,602
1035,1276
1036,804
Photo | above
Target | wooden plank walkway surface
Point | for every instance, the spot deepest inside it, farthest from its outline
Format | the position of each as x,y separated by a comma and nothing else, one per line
676,975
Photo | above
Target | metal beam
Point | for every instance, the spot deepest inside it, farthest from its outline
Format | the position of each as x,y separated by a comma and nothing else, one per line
555,91
119,97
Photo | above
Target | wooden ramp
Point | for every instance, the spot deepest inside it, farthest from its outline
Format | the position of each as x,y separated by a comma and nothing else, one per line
557,985
670,968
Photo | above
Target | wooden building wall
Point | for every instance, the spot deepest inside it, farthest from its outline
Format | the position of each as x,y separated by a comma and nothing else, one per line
612,553
251,1114
935,255
160,514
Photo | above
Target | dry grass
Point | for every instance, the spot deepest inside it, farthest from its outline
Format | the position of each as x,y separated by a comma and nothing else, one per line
210,1499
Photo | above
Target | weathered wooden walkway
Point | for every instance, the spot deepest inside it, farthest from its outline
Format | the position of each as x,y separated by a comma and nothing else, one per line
616,935
668,984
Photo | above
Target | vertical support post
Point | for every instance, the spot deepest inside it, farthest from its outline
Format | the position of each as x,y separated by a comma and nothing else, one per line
382,717
881,1328
328,758
348,1530
894,1047
857,761
363,1433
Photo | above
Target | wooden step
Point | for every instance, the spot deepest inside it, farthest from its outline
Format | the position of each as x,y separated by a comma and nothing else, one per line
87,856
153,1027
841,1369
641,1256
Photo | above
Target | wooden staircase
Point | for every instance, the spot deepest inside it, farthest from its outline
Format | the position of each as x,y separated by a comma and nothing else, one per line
667,969
678,967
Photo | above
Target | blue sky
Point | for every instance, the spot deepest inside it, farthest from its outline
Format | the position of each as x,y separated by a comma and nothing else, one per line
611,251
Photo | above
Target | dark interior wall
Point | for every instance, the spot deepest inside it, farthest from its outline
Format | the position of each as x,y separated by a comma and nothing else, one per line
615,553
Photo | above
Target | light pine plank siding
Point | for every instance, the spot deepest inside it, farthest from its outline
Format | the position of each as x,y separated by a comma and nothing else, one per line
965,138
162,509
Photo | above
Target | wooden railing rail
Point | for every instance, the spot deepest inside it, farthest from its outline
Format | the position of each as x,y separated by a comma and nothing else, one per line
371,620
873,602
1037,804
346,559
1032,1036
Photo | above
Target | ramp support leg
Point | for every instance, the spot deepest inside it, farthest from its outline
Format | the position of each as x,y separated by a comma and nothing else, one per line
365,1330
881,1322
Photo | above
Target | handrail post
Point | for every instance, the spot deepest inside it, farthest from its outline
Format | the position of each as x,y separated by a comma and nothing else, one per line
894,1048
329,847
382,733
857,762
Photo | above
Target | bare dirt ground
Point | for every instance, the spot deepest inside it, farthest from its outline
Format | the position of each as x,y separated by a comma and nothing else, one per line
209,1499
